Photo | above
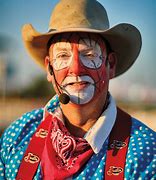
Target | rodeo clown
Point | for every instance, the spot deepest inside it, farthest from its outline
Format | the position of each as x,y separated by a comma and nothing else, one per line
80,133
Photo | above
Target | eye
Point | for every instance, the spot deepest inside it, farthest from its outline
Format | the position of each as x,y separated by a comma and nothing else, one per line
90,55
62,55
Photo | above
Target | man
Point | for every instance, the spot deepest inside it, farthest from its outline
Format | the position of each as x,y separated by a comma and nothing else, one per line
80,133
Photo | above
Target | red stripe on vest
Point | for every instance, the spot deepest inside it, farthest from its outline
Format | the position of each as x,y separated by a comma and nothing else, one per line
118,146
32,156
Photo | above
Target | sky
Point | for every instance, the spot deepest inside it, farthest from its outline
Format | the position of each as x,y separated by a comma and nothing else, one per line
138,82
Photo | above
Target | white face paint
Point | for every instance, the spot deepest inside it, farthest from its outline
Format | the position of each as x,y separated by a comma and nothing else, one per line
90,54
80,89
62,55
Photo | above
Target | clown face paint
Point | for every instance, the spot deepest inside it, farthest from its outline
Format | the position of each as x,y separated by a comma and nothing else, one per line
79,66
62,55
80,89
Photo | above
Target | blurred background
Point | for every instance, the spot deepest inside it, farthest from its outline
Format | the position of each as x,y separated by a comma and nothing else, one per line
23,84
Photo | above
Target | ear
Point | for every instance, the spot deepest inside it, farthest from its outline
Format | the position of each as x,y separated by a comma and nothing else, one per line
46,62
112,61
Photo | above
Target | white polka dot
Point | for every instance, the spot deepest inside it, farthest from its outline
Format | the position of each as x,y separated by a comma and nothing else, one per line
146,171
11,161
136,165
128,170
2,174
21,153
18,161
151,134
153,143
10,140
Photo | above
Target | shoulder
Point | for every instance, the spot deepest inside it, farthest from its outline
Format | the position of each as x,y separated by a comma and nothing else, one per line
142,137
140,130
141,158
18,134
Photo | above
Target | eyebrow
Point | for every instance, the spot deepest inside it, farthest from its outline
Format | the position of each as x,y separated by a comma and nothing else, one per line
62,49
87,49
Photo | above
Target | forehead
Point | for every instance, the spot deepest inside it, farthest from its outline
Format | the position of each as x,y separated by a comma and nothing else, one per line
66,39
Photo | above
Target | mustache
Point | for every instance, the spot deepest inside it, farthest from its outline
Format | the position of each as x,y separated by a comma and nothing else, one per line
77,79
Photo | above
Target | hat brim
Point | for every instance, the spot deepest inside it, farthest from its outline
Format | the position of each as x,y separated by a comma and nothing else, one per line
125,40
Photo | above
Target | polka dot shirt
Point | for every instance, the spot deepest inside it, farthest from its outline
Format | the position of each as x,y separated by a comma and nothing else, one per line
140,160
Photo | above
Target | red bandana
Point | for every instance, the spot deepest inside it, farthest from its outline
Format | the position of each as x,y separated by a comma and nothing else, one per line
63,154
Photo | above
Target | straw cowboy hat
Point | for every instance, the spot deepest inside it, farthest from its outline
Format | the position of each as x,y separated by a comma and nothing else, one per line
85,16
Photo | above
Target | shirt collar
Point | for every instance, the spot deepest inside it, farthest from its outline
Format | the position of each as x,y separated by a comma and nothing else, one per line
99,132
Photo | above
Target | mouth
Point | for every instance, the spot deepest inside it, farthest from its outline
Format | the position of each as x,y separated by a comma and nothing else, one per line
77,85
81,89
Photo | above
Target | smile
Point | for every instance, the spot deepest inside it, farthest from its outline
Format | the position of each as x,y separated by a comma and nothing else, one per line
78,85
81,89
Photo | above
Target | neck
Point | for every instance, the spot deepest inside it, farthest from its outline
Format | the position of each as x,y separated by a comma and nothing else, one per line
83,117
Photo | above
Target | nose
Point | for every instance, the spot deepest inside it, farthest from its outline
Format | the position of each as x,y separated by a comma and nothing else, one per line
76,68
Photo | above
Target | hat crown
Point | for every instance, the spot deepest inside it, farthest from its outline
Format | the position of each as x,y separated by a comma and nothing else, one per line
82,14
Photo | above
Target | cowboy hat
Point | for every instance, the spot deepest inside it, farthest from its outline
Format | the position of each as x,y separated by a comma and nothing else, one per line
85,16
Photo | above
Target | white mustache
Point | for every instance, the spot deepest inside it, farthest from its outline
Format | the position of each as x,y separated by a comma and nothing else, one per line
77,79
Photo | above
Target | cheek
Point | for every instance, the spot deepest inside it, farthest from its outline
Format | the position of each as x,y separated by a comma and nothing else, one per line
100,77
60,75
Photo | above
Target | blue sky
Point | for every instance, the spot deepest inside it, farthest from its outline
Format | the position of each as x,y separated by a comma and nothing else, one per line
141,13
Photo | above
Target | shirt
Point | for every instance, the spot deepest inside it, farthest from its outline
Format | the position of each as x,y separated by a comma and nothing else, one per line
141,155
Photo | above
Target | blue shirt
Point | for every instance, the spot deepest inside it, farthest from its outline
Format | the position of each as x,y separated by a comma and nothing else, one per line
140,160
